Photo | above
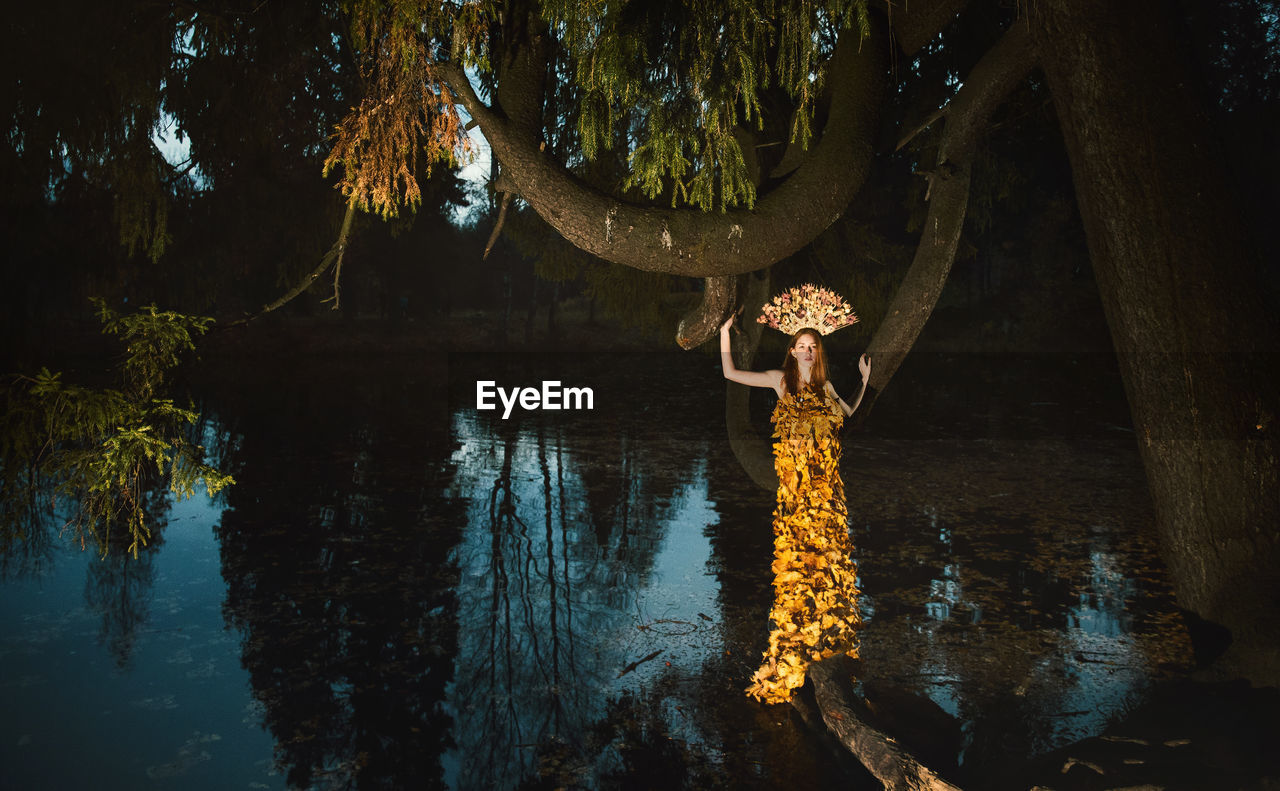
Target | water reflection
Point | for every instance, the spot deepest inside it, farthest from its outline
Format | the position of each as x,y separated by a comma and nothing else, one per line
118,589
480,603
584,582
335,554
423,596
1027,600
29,551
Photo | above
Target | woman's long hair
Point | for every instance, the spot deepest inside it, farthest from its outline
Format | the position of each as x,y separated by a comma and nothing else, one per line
791,368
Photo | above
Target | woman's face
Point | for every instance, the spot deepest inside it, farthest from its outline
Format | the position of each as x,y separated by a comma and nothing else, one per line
805,350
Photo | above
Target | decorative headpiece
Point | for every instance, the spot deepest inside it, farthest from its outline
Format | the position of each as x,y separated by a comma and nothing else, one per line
807,307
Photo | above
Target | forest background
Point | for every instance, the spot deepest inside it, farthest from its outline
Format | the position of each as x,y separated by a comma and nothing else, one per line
174,155
283,190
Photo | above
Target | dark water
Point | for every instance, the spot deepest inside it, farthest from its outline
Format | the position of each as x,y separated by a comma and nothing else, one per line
402,591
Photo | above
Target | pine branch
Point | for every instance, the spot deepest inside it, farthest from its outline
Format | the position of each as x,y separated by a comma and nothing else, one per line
334,255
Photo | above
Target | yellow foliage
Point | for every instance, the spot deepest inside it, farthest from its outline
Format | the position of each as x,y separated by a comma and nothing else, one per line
407,109
815,609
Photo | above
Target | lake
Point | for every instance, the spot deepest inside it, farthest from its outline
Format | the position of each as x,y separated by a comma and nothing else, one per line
402,590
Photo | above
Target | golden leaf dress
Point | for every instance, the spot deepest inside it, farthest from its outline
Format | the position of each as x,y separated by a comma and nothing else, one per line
815,607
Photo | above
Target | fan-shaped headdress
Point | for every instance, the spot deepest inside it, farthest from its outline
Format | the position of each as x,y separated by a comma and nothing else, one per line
807,307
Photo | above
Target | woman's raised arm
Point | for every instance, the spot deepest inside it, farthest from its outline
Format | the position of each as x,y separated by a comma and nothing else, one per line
749,378
864,368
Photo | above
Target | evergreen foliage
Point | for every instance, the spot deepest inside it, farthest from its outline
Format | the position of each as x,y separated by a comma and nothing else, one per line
251,95
684,78
673,82
100,451
406,108
678,103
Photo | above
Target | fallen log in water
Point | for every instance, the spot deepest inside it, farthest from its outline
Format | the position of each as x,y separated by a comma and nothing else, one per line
849,719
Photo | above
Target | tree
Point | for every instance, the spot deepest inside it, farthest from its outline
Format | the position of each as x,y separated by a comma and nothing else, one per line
104,450
1179,278
692,113
184,143
715,140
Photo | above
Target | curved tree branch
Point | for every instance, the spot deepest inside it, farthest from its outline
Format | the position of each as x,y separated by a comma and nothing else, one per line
332,258
1002,68
688,241
697,325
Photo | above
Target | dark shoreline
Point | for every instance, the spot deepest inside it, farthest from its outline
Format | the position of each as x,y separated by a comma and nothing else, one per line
473,330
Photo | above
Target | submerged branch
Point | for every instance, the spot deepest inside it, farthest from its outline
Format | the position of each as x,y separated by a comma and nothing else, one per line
849,721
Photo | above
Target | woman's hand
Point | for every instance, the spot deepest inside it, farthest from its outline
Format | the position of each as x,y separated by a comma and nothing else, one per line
864,368
771,379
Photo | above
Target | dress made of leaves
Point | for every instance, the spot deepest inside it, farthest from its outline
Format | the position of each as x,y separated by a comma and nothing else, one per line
815,607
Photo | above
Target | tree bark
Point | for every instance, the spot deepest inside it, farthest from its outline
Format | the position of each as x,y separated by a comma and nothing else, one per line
719,298
848,718
1001,69
1178,280
687,241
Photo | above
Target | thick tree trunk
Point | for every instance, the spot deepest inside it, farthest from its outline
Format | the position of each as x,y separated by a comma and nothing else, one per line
1001,69
1178,283
815,191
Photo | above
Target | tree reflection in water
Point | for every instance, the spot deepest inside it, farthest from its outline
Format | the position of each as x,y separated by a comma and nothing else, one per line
551,594
118,589
431,598
335,555
118,585
432,601
470,602
29,548
1025,597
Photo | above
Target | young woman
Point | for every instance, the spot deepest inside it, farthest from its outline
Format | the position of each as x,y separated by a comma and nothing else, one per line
804,366
815,610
